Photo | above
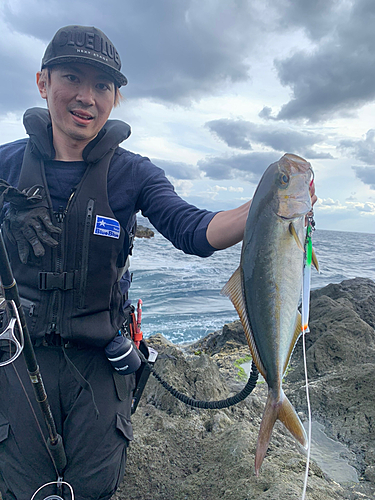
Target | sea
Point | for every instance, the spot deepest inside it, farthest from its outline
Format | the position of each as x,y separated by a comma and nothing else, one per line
181,293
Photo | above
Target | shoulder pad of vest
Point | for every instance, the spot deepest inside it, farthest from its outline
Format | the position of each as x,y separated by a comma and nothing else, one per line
111,135
37,123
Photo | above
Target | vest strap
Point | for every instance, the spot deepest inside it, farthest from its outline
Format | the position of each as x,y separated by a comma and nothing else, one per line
52,281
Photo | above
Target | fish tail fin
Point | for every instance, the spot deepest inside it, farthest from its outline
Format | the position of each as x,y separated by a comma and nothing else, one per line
265,431
288,416
277,409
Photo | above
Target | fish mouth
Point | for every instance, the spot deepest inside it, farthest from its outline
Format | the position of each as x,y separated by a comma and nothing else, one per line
294,208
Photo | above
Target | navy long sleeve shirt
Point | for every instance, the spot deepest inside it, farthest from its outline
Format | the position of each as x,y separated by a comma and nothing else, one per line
134,184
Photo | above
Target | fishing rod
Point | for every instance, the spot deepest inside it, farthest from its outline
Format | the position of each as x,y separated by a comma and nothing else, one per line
11,294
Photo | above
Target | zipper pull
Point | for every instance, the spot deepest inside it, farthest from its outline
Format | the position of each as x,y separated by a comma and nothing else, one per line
60,215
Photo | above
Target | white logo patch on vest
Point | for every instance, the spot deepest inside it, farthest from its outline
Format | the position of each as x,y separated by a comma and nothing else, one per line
104,226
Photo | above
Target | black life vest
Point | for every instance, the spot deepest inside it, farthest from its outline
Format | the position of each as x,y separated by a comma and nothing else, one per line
73,290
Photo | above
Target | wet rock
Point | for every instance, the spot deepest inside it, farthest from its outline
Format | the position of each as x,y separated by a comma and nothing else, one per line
180,452
144,232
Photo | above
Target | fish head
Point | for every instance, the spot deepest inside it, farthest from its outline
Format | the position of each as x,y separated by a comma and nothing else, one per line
292,179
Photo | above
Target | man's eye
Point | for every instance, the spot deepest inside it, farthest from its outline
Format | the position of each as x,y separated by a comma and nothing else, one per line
104,86
72,78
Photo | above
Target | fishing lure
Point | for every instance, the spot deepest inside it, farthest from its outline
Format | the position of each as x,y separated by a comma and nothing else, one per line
306,284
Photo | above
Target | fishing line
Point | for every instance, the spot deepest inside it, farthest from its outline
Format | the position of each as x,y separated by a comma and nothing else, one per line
305,329
309,417
59,484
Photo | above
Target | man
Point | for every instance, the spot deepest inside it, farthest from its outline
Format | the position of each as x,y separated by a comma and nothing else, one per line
68,272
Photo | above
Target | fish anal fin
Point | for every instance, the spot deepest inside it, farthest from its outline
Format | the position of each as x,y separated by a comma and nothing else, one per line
297,333
293,232
314,260
233,289
282,410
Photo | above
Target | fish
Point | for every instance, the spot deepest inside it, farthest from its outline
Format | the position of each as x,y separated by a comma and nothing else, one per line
266,287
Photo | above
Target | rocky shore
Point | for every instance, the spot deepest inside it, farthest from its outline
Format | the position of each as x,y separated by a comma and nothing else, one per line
180,452
144,232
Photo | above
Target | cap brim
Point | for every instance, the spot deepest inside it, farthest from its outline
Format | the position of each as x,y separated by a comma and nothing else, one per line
118,77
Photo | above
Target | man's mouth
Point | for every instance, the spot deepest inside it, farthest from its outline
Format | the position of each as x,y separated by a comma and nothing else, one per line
82,116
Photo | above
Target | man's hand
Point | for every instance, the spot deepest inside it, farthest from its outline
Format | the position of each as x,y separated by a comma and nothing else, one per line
314,198
31,227
26,224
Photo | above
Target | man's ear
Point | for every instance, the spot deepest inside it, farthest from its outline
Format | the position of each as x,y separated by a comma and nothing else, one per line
41,83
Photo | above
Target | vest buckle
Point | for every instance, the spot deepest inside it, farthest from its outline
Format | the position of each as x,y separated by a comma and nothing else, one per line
54,281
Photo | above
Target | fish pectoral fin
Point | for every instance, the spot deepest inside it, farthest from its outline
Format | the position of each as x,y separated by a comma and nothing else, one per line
314,260
293,232
233,290
277,410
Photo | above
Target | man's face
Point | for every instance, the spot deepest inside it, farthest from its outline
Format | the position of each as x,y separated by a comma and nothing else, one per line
80,99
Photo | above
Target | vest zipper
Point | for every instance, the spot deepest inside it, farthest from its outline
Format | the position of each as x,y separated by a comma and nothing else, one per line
85,253
56,294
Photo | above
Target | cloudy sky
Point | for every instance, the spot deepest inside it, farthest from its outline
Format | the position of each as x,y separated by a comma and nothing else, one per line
219,89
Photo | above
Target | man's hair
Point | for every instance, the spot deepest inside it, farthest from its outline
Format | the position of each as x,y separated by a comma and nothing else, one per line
45,76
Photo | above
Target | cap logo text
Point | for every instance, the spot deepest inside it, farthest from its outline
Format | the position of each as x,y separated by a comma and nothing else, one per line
89,41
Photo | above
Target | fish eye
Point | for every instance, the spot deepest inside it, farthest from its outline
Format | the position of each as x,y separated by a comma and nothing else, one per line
283,179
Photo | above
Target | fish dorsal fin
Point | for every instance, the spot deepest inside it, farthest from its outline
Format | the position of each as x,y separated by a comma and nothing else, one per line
314,260
234,290
293,232
297,333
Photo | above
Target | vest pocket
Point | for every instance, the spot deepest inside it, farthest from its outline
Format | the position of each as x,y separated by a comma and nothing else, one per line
28,306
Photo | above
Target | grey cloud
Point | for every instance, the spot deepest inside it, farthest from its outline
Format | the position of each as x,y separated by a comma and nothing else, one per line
239,133
310,154
266,113
178,170
363,150
248,166
314,17
173,52
338,76
366,175
235,133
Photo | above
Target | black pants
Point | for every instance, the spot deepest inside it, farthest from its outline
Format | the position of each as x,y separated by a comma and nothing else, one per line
95,444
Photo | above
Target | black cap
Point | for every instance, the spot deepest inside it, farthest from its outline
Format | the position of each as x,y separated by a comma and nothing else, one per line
84,44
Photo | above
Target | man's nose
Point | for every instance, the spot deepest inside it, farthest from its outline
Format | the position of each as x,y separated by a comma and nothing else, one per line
86,94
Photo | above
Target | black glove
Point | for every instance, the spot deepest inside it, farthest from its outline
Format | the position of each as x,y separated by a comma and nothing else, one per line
28,225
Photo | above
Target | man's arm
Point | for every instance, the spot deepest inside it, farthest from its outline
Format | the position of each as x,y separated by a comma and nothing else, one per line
227,228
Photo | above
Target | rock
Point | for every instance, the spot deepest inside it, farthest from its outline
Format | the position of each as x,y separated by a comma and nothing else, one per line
231,336
341,367
144,232
180,452
370,473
